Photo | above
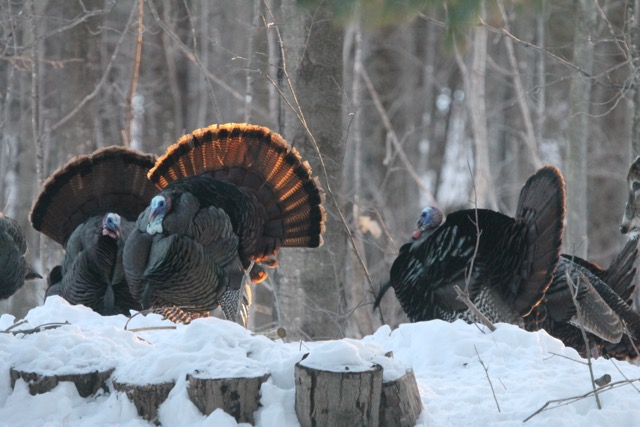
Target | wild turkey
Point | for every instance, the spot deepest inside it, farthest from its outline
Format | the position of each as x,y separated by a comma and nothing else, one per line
602,306
232,194
88,206
631,219
14,268
508,262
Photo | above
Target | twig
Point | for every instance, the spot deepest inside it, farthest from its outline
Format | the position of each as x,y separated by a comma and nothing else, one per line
15,325
486,372
394,138
462,296
566,357
574,292
623,375
569,400
152,328
100,84
297,110
37,329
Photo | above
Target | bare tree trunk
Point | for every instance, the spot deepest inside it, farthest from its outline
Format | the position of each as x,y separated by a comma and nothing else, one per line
310,283
579,102
633,23
483,192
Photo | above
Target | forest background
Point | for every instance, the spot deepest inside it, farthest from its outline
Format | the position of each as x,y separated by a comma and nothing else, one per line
396,104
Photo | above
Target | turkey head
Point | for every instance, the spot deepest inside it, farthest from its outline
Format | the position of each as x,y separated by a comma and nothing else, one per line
231,196
88,206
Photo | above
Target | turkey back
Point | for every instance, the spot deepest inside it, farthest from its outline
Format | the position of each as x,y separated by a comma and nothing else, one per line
112,179
259,162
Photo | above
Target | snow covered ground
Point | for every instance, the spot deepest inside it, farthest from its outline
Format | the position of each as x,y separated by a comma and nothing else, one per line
526,370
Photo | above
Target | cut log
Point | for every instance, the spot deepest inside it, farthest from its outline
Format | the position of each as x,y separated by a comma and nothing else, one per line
86,383
147,398
325,398
238,397
400,404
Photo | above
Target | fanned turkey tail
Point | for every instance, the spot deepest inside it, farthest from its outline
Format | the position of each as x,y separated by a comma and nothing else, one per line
112,179
261,162
542,208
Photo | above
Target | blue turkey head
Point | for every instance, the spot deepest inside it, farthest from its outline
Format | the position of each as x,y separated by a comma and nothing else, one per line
160,205
430,218
111,225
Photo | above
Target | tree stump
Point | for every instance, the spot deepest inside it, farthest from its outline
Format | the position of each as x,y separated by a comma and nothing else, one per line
400,403
325,398
147,398
238,397
86,383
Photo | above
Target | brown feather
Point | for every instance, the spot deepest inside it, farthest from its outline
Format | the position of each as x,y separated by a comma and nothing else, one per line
112,179
256,159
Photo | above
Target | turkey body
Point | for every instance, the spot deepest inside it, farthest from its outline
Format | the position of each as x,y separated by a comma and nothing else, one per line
582,294
232,195
88,206
92,273
505,264
14,269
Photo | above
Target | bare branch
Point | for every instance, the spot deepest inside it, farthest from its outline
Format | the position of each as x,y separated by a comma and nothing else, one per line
573,399
573,287
100,84
486,372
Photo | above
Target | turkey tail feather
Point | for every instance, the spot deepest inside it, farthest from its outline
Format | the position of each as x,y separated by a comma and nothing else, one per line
112,179
256,159
542,208
620,275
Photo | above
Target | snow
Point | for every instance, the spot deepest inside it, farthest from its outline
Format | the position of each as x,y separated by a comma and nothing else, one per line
524,369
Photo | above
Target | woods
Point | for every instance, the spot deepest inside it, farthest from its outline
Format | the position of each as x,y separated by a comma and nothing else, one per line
430,105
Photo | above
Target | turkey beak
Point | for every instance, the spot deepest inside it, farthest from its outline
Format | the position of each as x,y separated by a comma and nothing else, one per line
111,225
156,215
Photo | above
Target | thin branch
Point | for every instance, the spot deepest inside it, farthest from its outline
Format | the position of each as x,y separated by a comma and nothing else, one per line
297,111
486,372
530,136
100,84
136,74
573,287
462,296
35,330
573,399
153,328
194,58
394,137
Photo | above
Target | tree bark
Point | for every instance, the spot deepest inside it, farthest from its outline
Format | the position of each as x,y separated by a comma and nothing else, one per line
310,282
325,398
238,397
579,102
87,383
147,398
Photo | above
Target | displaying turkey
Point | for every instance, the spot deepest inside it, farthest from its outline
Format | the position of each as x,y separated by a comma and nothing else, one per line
505,264
232,195
88,206
602,306
630,223
14,268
